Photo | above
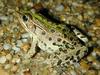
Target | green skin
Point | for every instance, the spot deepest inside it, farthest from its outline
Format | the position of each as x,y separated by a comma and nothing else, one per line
62,42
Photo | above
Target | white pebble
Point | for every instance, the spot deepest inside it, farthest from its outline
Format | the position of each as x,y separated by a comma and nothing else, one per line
7,66
8,56
2,59
15,60
4,18
24,40
16,49
98,42
59,8
73,72
6,46
94,53
25,35
19,43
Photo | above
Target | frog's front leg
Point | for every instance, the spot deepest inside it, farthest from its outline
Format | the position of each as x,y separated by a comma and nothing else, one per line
32,51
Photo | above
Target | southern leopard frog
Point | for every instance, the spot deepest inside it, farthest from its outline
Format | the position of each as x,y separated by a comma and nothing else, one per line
61,40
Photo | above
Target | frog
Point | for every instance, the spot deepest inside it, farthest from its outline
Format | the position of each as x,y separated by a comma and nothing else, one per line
59,40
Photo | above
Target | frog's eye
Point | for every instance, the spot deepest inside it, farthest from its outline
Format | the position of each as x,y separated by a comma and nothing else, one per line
25,17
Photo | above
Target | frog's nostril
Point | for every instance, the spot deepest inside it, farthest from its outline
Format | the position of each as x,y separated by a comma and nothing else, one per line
25,18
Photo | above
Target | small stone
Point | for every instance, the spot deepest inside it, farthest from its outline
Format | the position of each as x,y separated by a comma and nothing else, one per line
7,46
14,68
73,72
98,42
4,18
25,47
59,8
16,49
2,59
94,53
8,56
7,66
16,60
25,35
24,40
19,43
90,58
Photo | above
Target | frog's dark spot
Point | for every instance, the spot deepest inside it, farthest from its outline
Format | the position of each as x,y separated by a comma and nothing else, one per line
78,58
71,38
64,42
59,62
66,46
54,43
60,49
41,41
78,33
68,62
49,47
72,58
78,52
67,58
74,43
57,53
52,30
65,35
82,36
64,30
59,39
45,44
43,33
72,48
65,51
50,38
58,27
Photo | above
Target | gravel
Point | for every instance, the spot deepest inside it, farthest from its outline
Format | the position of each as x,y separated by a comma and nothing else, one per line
7,46
2,59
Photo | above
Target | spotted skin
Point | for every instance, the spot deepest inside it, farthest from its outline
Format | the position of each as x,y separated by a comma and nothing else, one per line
58,40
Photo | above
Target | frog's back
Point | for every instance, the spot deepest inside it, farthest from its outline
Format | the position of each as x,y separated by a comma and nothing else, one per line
60,40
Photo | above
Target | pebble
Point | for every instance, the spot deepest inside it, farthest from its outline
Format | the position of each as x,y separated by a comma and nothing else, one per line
59,8
19,43
7,66
16,49
25,47
25,35
90,58
7,46
73,72
8,56
5,18
94,53
2,59
14,68
98,42
24,40
16,60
